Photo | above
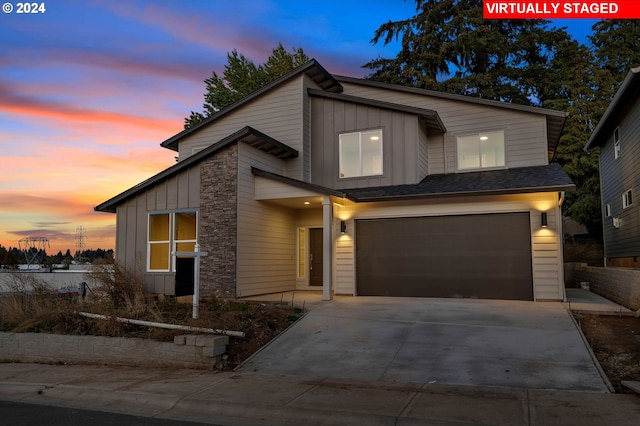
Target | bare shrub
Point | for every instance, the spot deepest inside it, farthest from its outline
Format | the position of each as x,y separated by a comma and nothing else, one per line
122,289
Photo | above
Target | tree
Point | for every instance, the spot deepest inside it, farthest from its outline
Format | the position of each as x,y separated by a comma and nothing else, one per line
242,77
448,46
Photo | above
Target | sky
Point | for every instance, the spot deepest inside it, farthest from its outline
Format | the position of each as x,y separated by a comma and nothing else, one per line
89,89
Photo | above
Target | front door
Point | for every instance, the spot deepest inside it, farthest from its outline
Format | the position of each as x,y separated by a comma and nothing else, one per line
315,256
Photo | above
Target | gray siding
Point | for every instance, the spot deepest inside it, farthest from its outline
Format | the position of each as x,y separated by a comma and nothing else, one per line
178,192
277,114
616,177
266,232
525,133
423,159
400,137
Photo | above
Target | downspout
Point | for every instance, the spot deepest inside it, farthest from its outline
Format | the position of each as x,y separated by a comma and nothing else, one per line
559,224
327,224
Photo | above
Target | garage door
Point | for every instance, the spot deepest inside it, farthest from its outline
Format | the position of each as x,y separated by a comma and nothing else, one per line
484,256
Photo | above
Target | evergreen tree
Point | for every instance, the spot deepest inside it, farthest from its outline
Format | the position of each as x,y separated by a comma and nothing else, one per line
448,46
242,77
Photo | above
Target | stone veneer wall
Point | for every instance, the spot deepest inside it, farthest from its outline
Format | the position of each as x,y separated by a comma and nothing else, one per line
620,285
218,223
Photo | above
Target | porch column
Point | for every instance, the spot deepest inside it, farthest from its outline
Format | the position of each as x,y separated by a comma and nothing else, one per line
327,248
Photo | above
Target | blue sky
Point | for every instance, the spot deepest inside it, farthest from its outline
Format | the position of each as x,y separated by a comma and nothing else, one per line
89,89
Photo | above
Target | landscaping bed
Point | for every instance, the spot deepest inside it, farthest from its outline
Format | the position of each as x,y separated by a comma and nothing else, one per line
615,341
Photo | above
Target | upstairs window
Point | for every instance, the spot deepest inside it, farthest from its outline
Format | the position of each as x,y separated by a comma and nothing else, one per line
483,150
626,199
616,143
360,154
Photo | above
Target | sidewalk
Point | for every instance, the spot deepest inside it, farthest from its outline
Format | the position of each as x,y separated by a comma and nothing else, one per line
254,399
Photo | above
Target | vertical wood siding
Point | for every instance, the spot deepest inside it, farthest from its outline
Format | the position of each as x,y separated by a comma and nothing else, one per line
175,193
546,244
266,261
400,137
525,133
616,177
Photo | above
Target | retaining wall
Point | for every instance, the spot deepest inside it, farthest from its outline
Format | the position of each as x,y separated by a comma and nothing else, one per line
620,285
187,351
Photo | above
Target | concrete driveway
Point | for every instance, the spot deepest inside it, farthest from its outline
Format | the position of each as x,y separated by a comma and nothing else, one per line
449,341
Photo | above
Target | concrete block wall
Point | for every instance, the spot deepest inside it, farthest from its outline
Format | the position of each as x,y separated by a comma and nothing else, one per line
191,351
620,285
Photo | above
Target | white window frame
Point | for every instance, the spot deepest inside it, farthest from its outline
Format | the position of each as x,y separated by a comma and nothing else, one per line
359,133
607,210
627,199
616,143
479,136
172,241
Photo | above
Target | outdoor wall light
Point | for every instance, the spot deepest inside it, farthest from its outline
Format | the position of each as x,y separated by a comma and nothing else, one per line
343,226
543,220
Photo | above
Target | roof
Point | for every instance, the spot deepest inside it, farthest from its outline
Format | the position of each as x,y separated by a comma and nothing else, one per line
627,93
491,182
298,183
247,135
555,119
429,116
549,178
312,69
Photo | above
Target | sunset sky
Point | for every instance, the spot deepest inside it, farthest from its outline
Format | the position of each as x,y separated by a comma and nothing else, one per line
89,89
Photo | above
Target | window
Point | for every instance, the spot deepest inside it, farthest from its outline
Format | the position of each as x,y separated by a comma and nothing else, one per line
616,143
481,151
361,154
161,241
626,199
607,210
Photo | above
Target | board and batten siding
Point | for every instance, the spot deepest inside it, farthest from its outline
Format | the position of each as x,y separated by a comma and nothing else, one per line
525,133
616,177
400,146
179,192
277,114
546,244
266,232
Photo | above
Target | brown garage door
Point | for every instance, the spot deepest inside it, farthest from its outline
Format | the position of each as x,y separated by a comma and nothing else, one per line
484,256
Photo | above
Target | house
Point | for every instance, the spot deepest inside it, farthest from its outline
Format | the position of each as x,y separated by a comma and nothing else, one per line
618,137
354,187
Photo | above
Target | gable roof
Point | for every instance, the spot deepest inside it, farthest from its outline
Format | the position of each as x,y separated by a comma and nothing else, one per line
247,135
628,92
312,69
555,119
429,116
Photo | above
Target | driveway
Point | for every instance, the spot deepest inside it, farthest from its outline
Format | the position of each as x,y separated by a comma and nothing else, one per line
450,341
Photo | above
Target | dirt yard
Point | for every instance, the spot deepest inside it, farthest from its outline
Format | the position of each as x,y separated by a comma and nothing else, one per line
615,340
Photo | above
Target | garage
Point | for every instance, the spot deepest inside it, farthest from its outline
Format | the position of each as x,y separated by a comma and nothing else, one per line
484,256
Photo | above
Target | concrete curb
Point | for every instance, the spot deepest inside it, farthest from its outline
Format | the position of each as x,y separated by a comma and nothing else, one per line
594,359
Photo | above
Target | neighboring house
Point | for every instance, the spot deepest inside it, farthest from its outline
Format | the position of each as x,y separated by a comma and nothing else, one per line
618,137
354,187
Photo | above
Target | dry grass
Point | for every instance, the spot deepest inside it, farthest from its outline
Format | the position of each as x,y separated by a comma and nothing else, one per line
116,292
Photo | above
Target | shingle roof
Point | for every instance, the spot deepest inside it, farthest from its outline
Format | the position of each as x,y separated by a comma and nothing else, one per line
507,181
247,135
628,92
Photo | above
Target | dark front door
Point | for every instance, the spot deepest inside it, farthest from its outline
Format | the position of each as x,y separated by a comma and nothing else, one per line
486,256
184,276
315,256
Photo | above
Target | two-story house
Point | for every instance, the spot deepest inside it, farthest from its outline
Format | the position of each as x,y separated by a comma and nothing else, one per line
354,187
618,137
